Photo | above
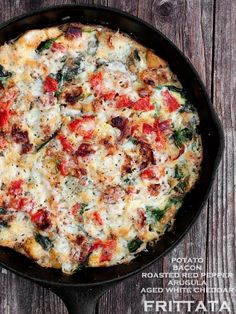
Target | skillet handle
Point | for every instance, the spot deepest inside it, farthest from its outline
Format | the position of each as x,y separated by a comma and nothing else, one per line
81,300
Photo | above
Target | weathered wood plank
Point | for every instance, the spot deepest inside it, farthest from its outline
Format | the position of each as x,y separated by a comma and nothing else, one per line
190,25
222,214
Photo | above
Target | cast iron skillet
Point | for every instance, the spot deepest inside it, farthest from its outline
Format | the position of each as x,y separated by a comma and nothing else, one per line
81,291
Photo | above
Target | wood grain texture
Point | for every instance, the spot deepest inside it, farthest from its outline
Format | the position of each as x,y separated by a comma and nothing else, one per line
205,30
221,244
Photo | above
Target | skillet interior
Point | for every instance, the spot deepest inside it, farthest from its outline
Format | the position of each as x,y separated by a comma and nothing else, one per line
210,129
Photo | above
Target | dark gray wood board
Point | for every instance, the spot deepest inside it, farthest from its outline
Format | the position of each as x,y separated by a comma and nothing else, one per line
205,30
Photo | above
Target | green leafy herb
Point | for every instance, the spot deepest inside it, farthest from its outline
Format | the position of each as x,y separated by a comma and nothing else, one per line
175,89
136,55
181,186
83,208
178,173
186,107
3,211
127,180
45,45
134,244
133,140
68,73
45,242
182,135
92,46
175,200
4,75
4,223
155,213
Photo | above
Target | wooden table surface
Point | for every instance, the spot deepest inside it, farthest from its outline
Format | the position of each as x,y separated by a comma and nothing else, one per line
205,30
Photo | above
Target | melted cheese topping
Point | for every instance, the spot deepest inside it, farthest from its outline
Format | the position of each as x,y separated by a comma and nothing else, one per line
99,145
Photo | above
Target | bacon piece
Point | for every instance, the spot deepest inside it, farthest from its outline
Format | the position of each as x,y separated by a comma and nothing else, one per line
26,147
140,221
122,124
109,145
80,239
147,155
73,31
73,95
112,194
21,137
84,150
18,135
154,189
143,92
127,166
58,47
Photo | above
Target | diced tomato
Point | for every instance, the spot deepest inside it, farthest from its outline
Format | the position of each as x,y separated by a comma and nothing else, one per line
171,102
97,217
3,142
62,167
134,128
75,209
98,243
8,97
16,187
58,47
108,250
41,219
6,102
4,117
147,128
95,81
148,173
143,104
123,101
84,126
38,216
50,85
66,144
18,203
109,95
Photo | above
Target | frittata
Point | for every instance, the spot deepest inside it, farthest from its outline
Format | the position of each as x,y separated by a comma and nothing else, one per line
99,144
